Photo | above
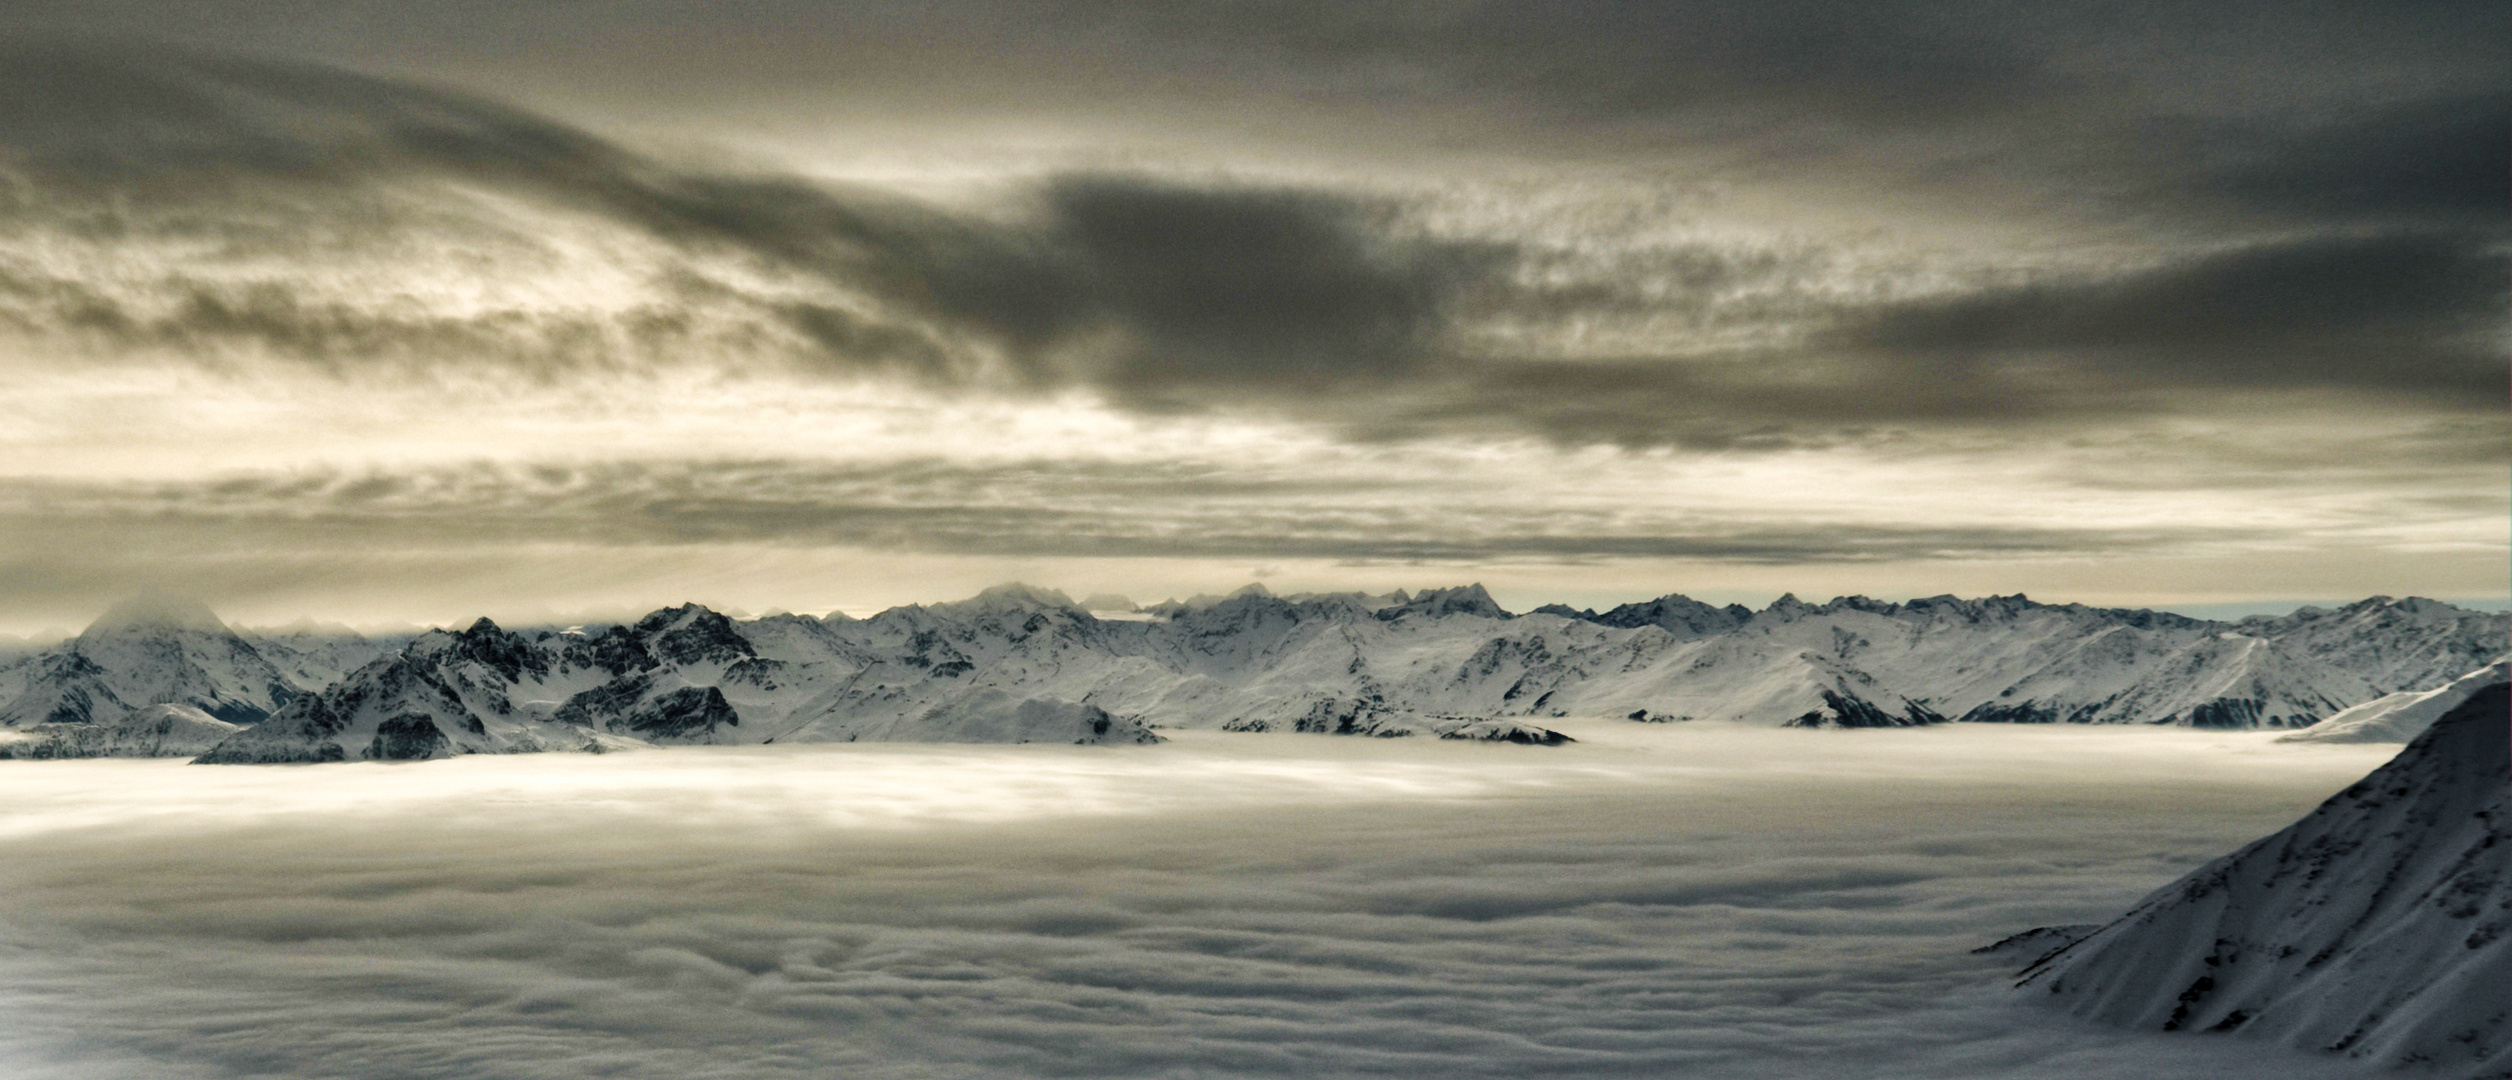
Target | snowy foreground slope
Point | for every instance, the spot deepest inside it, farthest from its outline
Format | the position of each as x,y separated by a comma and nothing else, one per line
1020,664
2379,926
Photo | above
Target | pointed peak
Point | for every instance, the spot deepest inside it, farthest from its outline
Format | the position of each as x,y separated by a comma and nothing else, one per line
664,618
159,611
483,625
1253,588
1019,594
1460,600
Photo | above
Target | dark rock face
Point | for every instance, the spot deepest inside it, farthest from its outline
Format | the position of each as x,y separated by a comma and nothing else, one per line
2379,926
2236,713
235,752
406,738
1505,731
690,634
592,707
616,650
686,713
1851,712
1681,616
1462,600
2030,712
507,654
2040,942
1337,717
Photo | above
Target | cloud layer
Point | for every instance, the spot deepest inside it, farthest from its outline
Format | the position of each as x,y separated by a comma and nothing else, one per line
1335,306
1652,287
1672,898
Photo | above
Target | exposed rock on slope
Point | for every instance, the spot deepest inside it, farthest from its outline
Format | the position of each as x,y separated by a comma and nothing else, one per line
2379,926
484,690
679,676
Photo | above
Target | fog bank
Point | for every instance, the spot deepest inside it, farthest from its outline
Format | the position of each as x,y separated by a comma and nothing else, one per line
1655,899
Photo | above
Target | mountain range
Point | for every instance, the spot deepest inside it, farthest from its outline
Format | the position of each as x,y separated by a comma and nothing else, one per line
1022,664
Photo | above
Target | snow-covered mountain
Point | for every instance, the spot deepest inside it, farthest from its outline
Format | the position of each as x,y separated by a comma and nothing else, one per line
2379,926
680,676
1021,663
154,650
2396,644
2401,716
315,655
162,676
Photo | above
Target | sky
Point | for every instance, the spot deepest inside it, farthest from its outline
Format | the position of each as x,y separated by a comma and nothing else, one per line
423,310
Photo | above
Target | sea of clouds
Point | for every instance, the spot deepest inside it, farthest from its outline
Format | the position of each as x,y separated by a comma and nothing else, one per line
1684,900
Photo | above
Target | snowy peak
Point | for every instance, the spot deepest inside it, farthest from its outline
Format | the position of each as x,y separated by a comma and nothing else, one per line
158,611
151,650
1788,607
690,634
1017,596
2397,644
1440,603
1674,613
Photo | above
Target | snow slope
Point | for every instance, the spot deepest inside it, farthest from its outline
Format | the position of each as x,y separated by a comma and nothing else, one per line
156,731
2379,926
2401,716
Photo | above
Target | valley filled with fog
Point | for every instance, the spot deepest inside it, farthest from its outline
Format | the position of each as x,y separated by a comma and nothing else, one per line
1655,899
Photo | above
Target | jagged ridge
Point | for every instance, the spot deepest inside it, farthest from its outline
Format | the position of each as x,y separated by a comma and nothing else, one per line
1428,663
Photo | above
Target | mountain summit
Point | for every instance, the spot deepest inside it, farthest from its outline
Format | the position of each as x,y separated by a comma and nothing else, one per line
158,611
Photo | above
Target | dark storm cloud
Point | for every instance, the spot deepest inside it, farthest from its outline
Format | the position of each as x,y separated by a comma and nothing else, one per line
2432,159
2320,111
2080,96
1322,305
1220,287
1607,59
1264,290
2418,313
